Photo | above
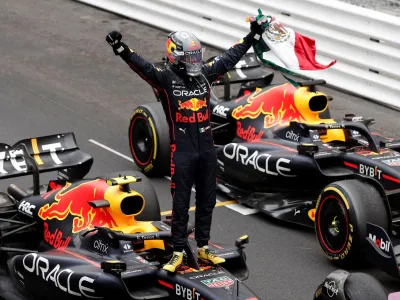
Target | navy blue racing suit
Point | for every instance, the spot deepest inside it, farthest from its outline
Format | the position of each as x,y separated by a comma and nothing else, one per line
186,103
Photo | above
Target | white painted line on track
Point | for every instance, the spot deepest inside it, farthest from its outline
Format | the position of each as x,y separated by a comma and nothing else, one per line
111,150
236,207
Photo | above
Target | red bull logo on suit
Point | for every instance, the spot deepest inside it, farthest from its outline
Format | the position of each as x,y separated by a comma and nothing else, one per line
194,105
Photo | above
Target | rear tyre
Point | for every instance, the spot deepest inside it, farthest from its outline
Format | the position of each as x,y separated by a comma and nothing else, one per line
149,139
361,286
151,211
342,212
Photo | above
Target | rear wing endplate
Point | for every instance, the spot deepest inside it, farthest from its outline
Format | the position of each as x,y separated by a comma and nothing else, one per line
58,152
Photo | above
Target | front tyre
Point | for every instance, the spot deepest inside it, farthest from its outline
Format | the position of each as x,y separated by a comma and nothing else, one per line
149,139
342,212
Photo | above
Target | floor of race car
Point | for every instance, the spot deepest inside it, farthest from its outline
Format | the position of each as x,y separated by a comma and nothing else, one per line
58,74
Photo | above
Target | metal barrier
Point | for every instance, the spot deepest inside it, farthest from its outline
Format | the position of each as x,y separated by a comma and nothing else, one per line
365,43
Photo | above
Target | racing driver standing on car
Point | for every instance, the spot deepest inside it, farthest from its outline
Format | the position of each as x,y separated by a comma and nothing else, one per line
184,87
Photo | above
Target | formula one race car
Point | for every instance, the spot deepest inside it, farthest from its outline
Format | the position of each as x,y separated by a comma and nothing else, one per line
76,238
279,151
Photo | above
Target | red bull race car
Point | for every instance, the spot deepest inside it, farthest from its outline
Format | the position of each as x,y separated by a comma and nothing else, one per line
103,238
279,151
96,238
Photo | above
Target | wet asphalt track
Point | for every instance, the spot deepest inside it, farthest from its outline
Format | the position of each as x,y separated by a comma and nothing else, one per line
57,74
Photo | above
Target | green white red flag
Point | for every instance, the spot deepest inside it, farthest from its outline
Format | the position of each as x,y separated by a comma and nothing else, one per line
281,47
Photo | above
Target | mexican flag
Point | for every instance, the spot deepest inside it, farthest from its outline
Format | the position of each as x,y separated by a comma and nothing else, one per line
284,49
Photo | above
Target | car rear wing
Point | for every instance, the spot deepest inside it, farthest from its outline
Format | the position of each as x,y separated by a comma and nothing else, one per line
58,152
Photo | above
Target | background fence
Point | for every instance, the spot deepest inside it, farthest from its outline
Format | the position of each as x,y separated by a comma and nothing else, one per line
365,43
391,7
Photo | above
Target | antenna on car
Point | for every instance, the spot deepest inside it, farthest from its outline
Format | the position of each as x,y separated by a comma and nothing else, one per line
123,182
32,166
312,84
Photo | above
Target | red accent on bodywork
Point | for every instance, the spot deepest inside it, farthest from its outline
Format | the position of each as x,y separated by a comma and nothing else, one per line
347,164
391,178
170,286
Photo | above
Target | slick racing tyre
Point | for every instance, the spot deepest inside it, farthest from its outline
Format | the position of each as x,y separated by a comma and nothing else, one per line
149,139
342,212
342,285
151,211
361,286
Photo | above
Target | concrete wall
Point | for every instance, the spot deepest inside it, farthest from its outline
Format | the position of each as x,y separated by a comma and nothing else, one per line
391,7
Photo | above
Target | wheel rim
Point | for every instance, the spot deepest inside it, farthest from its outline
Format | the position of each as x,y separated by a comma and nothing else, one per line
141,141
333,224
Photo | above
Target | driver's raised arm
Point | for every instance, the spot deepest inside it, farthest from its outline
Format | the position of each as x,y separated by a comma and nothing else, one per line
225,62
154,76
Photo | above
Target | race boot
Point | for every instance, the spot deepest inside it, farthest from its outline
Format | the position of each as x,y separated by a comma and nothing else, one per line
209,256
174,263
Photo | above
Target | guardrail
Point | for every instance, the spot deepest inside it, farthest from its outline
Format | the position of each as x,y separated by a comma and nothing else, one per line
365,43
